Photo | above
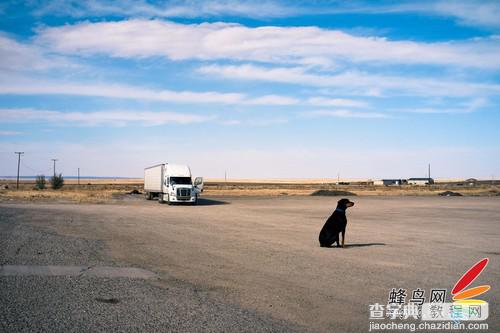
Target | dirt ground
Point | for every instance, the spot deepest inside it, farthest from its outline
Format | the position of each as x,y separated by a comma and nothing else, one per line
262,253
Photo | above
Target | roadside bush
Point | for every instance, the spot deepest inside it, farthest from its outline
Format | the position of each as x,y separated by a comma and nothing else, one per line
40,182
332,193
57,181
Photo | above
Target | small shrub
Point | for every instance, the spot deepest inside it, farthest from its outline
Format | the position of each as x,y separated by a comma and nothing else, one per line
57,181
450,194
40,182
332,193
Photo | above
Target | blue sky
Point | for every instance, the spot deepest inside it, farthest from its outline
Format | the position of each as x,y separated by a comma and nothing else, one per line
257,89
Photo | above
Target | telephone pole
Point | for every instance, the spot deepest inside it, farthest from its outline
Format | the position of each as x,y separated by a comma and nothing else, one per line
54,160
429,172
78,176
19,153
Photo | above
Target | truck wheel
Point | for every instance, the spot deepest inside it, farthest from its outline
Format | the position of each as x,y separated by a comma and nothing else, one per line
160,198
149,196
168,200
195,202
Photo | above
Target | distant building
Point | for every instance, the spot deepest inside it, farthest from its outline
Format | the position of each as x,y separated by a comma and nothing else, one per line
471,181
420,181
389,182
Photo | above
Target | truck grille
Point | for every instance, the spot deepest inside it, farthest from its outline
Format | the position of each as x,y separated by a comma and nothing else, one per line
183,193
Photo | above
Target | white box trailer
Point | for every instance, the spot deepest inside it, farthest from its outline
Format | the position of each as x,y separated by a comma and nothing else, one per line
171,183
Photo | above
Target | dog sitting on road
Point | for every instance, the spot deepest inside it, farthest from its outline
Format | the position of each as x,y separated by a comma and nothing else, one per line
335,225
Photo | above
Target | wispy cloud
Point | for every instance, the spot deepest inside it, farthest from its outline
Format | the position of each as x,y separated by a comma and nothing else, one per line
34,87
483,13
468,12
273,100
231,122
262,122
476,13
344,114
468,107
139,38
10,133
190,9
337,102
353,82
26,57
102,118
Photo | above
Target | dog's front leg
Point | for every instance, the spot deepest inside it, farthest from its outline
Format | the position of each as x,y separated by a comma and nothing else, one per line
343,237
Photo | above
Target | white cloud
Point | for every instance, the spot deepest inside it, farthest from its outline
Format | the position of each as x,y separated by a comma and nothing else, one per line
338,102
353,82
274,74
273,100
256,122
146,38
482,13
468,107
468,12
344,114
231,122
26,57
191,8
9,133
267,122
34,87
111,117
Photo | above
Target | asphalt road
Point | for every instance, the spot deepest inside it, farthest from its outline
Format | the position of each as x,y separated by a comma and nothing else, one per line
237,264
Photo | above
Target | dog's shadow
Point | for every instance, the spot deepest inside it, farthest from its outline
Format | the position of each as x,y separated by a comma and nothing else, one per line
363,245
355,245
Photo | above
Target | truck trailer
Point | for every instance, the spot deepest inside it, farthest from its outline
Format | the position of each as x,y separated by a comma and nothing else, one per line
171,183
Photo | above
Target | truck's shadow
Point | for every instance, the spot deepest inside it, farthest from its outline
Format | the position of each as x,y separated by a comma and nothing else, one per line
210,202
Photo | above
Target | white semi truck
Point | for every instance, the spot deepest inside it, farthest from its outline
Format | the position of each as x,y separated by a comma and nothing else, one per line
171,183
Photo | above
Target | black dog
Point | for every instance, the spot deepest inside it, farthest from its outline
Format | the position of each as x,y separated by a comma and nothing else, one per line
334,225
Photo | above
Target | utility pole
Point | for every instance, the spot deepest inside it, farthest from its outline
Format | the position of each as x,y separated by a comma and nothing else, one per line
54,160
19,153
225,176
429,172
78,176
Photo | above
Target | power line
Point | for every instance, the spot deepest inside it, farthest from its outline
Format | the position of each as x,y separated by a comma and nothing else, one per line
37,171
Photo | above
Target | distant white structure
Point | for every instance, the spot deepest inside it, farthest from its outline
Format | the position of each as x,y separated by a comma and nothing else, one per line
398,182
389,182
471,181
420,181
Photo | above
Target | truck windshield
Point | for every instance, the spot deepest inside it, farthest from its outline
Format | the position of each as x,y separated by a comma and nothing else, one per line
180,180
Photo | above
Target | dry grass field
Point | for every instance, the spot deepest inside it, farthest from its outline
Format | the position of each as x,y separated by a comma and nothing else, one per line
105,190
